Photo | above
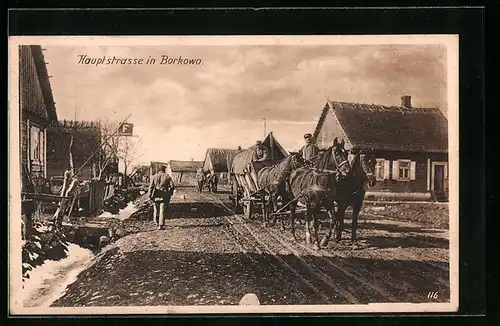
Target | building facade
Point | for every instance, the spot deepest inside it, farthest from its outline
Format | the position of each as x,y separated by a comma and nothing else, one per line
37,114
410,144
183,172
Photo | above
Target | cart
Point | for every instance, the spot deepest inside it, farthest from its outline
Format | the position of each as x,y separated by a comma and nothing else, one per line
246,195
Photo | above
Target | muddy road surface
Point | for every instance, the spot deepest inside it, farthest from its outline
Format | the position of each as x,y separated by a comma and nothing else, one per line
207,255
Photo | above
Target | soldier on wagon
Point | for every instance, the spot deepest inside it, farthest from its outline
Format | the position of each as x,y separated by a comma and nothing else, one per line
309,151
261,152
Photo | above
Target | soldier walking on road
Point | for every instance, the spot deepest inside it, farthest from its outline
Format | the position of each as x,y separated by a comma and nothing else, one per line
161,189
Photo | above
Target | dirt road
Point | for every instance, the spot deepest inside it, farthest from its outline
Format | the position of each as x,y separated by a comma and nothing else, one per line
207,255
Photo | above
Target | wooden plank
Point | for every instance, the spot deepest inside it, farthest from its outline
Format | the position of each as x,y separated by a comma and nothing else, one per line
42,196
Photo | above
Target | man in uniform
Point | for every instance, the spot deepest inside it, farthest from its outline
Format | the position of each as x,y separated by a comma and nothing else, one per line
200,177
161,189
309,151
261,152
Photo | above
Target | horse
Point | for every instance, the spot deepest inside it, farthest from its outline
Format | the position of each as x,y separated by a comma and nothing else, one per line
315,186
351,191
211,183
272,179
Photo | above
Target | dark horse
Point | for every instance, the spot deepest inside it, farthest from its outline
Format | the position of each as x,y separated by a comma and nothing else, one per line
351,190
273,179
211,182
315,186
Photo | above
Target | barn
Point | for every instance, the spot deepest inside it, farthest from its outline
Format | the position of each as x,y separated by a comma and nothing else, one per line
37,113
410,143
220,160
183,172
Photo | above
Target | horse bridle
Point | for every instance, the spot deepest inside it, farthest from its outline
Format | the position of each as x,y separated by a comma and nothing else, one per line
364,167
338,165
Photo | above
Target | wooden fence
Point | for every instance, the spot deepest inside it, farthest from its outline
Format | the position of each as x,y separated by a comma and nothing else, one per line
99,192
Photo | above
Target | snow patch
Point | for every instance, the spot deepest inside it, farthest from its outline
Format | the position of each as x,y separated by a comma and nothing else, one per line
42,228
48,282
123,214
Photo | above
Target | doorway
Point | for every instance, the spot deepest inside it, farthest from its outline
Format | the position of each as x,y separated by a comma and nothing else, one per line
439,175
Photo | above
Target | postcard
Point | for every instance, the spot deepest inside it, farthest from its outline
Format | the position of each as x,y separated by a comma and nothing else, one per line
233,174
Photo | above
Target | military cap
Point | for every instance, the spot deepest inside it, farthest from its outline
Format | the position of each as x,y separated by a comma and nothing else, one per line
258,142
307,136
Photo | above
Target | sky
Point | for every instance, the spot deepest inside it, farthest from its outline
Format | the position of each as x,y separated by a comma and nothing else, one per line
179,111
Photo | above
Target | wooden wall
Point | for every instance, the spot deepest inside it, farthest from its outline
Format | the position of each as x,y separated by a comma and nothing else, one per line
33,110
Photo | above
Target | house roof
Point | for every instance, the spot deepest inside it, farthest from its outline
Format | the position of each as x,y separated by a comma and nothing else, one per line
43,76
395,128
220,159
242,159
184,166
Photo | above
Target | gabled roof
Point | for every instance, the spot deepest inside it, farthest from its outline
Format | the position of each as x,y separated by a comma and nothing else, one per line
277,152
220,159
395,128
184,166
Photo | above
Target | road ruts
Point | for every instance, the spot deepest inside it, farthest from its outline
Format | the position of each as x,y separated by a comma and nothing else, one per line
314,279
344,288
341,276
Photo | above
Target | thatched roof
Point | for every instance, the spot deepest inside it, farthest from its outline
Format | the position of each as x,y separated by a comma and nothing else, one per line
395,128
185,166
241,160
219,159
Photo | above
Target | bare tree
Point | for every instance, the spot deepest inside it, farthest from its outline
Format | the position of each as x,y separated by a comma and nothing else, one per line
110,150
129,150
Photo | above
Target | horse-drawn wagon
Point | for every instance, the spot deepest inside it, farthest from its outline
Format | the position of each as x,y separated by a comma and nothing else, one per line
326,182
246,193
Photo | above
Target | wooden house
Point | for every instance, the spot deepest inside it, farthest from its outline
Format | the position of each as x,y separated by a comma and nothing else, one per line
220,160
410,143
37,113
183,172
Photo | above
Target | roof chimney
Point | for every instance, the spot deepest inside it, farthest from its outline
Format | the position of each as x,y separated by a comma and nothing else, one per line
239,148
406,101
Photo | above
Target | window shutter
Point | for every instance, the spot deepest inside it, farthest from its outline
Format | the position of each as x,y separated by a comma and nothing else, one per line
42,146
395,170
387,168
413,170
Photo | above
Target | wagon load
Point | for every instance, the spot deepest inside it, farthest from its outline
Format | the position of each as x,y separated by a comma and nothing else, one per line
244,180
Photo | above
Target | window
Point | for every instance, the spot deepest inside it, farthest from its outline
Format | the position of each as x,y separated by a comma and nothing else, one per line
37,144
382,169
403,170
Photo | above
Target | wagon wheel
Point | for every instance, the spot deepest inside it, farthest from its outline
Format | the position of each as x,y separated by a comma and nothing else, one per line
248,209
236,196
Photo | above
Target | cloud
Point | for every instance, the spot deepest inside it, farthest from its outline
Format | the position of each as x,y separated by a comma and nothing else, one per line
182,110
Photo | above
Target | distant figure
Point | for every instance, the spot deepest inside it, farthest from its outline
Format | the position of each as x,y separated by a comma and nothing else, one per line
200,178
161,189
261,152
213,180
309,150
249,299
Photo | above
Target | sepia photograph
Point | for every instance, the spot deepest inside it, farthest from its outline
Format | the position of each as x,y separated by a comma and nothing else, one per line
231,174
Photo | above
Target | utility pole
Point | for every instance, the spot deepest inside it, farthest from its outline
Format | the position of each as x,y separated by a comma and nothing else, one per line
265,127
